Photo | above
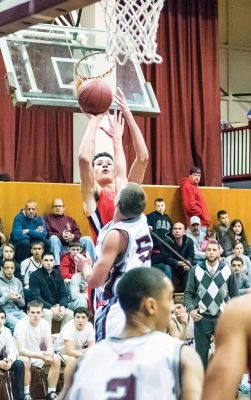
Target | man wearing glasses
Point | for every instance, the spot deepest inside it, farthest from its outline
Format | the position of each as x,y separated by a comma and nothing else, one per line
11,294
62,230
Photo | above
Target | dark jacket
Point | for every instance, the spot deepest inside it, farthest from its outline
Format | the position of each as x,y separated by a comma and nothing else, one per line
162,226
56,224
21,221
48,288
186,250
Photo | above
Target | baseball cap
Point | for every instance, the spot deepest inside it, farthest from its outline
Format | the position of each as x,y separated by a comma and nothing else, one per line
194,170
194,220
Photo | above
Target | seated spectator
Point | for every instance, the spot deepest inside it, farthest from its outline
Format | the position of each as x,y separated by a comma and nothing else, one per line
62,230
8,358
210,235
68,261
31,334
11,294
181,325
8,253
160,223
223,225
74,338
197,235
27,227
3,238
192,199
235,234
238,251
184,246
241,278
30,265
79,285
47,286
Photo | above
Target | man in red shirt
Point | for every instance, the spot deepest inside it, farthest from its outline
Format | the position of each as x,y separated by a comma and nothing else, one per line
192,199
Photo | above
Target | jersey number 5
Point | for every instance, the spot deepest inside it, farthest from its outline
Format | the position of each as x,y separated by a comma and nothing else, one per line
121,388
144,248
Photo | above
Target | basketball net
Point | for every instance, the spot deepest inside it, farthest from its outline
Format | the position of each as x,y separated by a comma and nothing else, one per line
132,28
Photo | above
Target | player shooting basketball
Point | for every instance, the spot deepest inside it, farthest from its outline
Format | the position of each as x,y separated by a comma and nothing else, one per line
98,171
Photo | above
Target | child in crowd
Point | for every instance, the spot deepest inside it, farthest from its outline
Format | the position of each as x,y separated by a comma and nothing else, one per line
238,251
223,226
235,233
210,235
241,278
68,265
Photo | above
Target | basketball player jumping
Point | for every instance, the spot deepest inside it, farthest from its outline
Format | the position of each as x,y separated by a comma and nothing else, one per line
123,244
97,171
233,351
143,363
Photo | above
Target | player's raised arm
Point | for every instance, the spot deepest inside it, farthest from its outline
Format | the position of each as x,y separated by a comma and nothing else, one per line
85,155
138,168
116,131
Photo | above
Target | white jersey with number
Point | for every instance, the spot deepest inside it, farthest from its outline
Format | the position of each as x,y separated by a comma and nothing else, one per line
139,368
109,318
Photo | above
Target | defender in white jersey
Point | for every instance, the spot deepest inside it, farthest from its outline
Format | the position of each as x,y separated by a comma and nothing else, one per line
123,244
143,363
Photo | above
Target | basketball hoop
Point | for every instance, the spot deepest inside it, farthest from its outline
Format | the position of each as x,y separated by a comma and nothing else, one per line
132,28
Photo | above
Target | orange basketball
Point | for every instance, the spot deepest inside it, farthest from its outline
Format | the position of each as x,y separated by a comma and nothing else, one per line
94,96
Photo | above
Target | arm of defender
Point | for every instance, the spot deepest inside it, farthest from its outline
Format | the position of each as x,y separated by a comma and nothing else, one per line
192,374
230,359
113,245
85,155
137,170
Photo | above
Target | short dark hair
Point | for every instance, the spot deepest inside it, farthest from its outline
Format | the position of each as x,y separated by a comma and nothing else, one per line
132,200
75,244
237,259
137,284
159,200
37,242
48,253
2,311
221,212
194,170
81,310
98,155
34,303
6,261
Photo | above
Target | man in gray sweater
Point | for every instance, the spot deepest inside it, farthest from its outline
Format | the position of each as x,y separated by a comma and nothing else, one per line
209,288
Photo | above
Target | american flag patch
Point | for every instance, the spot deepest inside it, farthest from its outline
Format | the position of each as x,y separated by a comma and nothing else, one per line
126,356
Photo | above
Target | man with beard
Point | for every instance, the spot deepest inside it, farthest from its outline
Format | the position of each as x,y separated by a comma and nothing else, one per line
209,288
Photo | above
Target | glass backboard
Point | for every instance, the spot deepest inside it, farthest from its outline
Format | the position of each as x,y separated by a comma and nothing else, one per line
40,63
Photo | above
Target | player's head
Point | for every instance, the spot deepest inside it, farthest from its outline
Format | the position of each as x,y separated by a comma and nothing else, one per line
160,205
81,316
103,168
146,294
237,264
131,201
223,217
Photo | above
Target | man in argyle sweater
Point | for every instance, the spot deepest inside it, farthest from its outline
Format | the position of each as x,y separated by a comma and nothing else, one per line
209,287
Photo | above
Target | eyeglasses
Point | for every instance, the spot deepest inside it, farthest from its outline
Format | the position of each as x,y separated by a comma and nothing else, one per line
57,205
10,268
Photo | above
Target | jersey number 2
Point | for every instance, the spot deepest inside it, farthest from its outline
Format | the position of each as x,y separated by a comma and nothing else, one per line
121,388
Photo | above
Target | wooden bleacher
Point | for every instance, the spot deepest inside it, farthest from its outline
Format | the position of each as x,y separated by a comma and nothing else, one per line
13,196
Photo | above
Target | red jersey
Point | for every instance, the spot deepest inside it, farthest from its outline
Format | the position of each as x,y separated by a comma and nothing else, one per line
103,213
